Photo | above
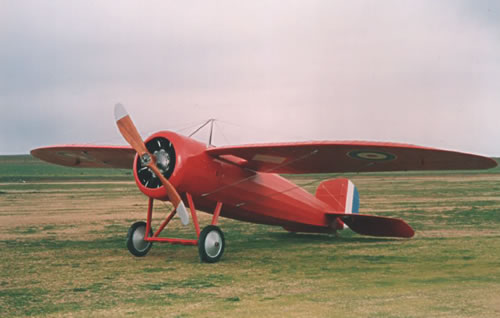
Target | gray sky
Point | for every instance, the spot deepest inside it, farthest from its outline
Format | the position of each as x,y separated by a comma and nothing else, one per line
421,72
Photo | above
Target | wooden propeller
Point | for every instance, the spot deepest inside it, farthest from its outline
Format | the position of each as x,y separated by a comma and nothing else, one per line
132,136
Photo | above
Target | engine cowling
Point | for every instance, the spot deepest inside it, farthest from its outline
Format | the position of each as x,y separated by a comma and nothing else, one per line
164,153
172,153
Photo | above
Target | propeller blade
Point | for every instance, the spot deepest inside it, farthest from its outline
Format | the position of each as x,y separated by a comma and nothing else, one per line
172,195
132,136
128,130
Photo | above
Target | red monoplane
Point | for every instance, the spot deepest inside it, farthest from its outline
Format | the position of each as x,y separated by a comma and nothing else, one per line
243,182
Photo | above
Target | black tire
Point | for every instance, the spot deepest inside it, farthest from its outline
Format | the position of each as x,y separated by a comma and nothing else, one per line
211,244
135,239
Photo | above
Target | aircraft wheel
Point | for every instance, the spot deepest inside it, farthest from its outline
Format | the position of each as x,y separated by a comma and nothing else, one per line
135,239
211,244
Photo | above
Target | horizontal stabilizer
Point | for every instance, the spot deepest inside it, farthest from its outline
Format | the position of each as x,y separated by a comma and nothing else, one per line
375,225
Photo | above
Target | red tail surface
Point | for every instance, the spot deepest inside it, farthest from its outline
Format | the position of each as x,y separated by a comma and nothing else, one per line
374,225
340,194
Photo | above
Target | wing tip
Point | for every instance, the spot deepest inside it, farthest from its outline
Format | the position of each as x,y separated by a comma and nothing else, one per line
492,163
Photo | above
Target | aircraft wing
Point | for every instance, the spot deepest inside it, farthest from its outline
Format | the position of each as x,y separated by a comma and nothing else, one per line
337,157
86,156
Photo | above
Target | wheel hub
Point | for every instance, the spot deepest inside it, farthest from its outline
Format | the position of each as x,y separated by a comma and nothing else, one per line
213,244
138,239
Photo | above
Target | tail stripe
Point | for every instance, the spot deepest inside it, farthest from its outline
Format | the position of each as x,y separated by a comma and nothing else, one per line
355,203
349,197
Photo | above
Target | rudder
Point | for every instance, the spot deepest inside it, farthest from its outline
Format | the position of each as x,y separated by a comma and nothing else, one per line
341,195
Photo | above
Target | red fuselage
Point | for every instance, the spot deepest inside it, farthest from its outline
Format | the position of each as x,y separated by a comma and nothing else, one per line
257,197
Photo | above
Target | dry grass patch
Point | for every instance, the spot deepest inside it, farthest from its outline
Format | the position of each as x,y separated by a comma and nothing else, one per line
64,255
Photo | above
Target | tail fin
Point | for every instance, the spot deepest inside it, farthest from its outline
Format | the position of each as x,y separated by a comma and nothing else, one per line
340,194
343,197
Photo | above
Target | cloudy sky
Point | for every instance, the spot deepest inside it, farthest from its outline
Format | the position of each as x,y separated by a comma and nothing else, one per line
420,72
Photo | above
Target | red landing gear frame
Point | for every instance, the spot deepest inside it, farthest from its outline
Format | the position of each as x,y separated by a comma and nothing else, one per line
156,238
210,240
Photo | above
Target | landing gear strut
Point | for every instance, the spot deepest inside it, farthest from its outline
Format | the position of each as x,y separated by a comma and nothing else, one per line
210,241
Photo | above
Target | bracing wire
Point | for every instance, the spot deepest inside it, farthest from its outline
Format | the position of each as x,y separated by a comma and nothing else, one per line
328,176
270,131
191,126
267,171
199,128
219,128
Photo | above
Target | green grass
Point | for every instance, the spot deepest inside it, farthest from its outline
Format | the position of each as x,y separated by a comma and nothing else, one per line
63,253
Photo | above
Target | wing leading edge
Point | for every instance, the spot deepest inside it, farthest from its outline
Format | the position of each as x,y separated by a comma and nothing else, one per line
337,157
85,156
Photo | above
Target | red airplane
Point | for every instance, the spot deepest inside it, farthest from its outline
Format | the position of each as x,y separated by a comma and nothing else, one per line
243,182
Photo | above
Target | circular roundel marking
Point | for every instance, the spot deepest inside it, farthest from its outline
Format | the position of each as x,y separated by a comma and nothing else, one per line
371,155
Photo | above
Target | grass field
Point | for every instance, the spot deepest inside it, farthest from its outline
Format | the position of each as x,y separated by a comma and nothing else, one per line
62,237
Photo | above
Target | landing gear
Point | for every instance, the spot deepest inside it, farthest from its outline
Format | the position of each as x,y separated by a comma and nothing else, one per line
211,244
210,241
135,239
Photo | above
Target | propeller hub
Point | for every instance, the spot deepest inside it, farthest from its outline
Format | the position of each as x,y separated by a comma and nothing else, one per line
162,160
145,159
